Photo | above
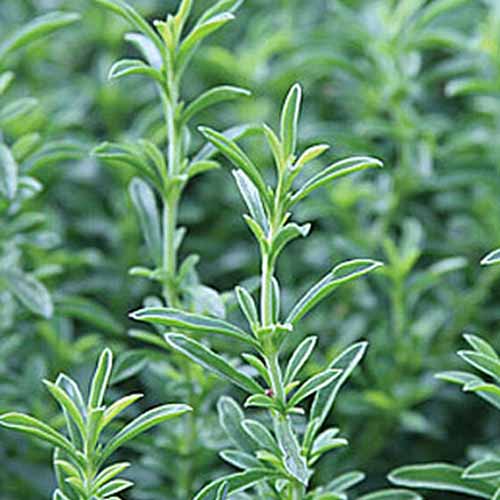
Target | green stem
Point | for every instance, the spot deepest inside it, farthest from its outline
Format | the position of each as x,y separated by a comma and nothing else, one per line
266,295
171,199
297,491
271,353
170,209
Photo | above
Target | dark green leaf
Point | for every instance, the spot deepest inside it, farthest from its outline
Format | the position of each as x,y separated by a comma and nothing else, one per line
289,120
211,97
211,361
146,207
342,273
8,173
440,476
35,29
143,423
191,323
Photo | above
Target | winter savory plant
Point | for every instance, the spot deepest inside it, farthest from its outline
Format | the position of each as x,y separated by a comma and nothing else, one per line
479,479
81,458
167,51
276,452
18,160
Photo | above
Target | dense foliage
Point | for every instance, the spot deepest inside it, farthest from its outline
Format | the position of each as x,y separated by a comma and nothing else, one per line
299,315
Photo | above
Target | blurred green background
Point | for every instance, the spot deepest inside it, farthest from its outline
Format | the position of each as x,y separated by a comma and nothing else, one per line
399,80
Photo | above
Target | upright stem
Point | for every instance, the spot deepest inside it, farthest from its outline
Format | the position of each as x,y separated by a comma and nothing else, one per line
267,320
171,199
266,296
175,159
170,208
297,491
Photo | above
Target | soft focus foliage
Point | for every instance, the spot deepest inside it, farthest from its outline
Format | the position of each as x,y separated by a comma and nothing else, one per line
112,201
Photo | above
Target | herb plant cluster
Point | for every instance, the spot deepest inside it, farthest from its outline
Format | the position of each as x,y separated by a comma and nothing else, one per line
176,226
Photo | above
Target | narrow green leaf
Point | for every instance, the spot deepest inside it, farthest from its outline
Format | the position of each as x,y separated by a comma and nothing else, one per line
8,173
313,385
6,78
260,401
191,323
342,273
100,379
120,154
237,482
218,8
309,155
30,292
68,385
491,258
30,425
114,487
95,416
324,440
59,495
240,459
252,199
68,468
389,494
275,301
482,362
346,362
141,424
182,15
261,436
230,417
232,152
483,469
109,473
286,234
212,97
118,406
289,120
147,48
208,151
335,171
124,10
126,67
257,231
295,463
247,306
457,377
481,346
345,481
67,405
299,359
275,146
199,33
13,113
211,361
258,364
35,29
489,392
222,492
26,146
146,207
440,476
